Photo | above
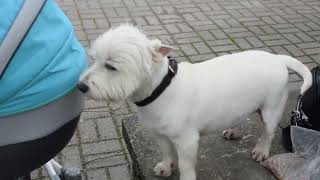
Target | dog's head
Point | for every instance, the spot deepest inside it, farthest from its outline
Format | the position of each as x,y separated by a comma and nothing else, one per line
124,58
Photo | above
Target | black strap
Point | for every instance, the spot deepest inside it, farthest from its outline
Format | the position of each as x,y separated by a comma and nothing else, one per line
172,71
18,30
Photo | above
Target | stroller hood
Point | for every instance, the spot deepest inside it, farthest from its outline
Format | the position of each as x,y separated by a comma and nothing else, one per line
47,64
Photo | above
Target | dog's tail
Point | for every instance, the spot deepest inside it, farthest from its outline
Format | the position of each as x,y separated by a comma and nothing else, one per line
302,71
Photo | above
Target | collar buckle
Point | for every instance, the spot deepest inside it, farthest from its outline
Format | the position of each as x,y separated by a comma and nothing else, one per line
170,68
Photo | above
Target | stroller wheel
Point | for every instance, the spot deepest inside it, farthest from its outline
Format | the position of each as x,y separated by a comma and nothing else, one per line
70,174
27,177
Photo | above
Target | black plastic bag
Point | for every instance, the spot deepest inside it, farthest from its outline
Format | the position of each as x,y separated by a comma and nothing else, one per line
307,112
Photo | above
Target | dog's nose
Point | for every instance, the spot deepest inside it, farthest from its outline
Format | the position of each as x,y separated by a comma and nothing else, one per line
83,87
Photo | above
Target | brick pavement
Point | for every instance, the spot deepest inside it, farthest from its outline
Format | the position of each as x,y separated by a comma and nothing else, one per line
200,29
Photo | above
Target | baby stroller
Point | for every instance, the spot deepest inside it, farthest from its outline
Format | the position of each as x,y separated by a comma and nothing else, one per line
40,106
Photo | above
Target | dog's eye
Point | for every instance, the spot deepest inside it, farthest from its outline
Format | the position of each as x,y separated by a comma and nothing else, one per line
108,66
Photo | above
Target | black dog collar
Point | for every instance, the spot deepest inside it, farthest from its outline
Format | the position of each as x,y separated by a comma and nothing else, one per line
172,71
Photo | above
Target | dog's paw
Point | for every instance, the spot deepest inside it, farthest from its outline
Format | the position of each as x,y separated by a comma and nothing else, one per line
231,133
260,153
163,169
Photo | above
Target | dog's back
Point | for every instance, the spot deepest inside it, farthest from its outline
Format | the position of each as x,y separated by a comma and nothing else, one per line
230,87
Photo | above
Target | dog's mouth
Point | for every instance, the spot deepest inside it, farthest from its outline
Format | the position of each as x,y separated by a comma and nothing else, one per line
92,91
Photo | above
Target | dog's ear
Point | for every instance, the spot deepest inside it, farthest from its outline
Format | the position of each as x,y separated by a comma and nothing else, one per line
160,48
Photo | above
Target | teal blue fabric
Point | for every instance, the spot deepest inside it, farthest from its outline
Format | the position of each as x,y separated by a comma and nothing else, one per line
47,64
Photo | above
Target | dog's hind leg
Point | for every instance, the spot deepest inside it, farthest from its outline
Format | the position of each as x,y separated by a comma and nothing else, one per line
165,167
271,115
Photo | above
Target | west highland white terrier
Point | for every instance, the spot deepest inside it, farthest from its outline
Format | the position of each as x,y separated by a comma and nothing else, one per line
180,102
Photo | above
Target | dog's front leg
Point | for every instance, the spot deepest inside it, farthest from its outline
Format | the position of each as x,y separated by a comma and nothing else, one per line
187,148
164,168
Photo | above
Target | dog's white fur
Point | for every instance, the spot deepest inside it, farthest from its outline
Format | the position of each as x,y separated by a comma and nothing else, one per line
203,97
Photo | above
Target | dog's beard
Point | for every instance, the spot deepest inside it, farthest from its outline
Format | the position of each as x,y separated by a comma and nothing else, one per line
103,86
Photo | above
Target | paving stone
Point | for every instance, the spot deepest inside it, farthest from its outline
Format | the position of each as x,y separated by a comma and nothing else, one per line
152,20
302,27
172,28
289,30
71,157
313,25
220,42
88,131
188,17
102,23
240,34
234,23
89,24
122,12
184,27
304,37
206,35
221,23
202,48
255,42
235,30
224,48
188,49
91,16
279,19
204,27
122,111
95,105
74,140
312,51
256,30
93,114
294,50
268,20
242,43
118,105
188,40
110,12
280,50
277,42
218,34
200,16
182,59
253,23
309,45
97,174
166,19
292,38
271,37
106,128
104,160
294,77
268,29
118,119
140,21
119,173
305,59
100,147
202,57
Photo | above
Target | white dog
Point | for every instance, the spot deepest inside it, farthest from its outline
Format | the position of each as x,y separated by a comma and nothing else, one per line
203,97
